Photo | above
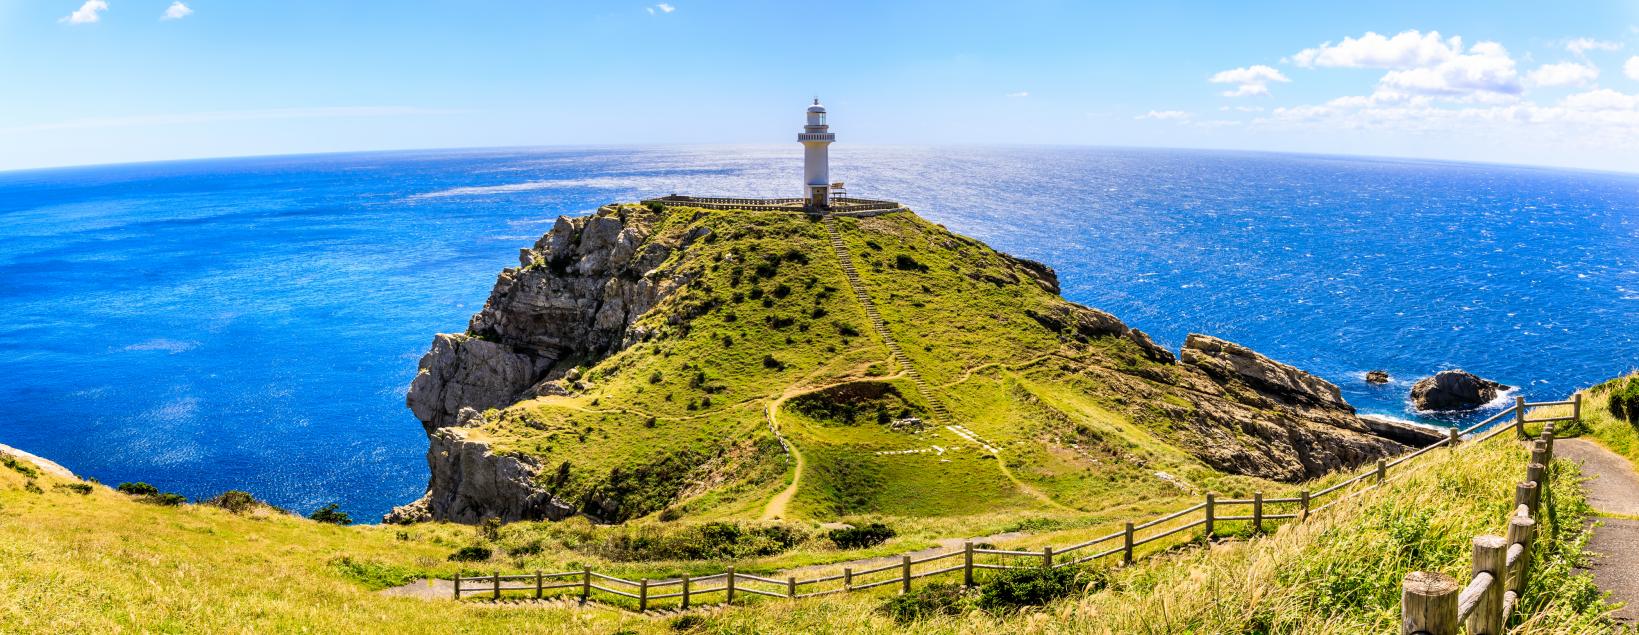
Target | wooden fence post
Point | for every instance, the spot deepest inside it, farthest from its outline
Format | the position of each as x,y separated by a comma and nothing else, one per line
905,574
685,592
1210,501
1257,512
791,587
1520,529
847,579
586,585
457,586
643,595
538,580
1526,494
1047,557
967,563
1548,442
1453,438
1303,506
730,587
1576,406
1382,470
1428,604
1127,551
497,584
1519,416
1490,556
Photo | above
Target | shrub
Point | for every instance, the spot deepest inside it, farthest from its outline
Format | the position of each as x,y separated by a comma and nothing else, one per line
77,488
655,377
22,468
234,501
869,535
331,514
670,514
769,361
167,499
781,290
904,262
688,623
1624,400
490,529
846,330
1017,588
939,598
138,489
471,553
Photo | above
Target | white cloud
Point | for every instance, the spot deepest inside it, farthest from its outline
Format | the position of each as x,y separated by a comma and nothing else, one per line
1165,115
87,13
1631,69
1022,93
1563,74
1249,80
1408,49
665,7
176,11
1582,45
1485,72
1602,99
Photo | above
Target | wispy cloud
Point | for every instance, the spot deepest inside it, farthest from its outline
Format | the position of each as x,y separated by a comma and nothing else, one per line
176,11
1631,69
1582,45
1250,80
1562,74
231,115
661,8
89,12
1165,115
1022,93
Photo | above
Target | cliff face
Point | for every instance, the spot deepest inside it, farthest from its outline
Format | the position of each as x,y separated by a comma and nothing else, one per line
686,321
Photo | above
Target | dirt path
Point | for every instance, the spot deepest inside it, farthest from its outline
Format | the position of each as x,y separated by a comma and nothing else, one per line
1614,489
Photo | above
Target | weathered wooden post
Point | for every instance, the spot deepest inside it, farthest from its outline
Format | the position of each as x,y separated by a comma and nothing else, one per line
1548,442
586,584
457,586
496,580
1047,557
1519,416
1526,494
1210,517
1576,406
730,586
643,595
1453,437
905,574
1127,550
967,563
1257,512
1428,604
1490,557
685,592
791,587
1382,470
1303,506
1539,451
847,579
1520,530
538,586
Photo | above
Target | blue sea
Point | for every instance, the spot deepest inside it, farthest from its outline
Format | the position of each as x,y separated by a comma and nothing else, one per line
254,323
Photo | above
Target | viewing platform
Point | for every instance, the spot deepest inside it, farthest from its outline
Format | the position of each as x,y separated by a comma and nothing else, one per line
838,206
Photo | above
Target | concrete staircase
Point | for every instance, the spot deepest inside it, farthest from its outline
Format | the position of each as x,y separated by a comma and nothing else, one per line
846,259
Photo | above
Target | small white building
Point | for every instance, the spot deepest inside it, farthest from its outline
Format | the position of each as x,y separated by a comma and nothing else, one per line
816,138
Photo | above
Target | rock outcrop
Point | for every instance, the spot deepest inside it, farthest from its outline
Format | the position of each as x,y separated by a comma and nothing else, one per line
1377,376
573,298
1454,390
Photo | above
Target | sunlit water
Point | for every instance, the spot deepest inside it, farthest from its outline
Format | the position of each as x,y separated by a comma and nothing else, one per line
253,323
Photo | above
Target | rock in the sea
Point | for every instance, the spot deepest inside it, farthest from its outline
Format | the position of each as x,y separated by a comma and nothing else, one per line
1377,376
1454,390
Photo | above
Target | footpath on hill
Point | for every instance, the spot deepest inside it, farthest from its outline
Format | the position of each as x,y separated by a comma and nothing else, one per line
1612,490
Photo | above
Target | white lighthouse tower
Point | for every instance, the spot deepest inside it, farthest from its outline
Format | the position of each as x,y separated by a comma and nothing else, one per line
816,138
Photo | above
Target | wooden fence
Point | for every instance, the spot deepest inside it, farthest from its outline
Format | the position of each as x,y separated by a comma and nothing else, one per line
842,206
1431,603
1257,511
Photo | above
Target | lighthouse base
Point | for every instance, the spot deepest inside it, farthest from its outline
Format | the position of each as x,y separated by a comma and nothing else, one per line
819,196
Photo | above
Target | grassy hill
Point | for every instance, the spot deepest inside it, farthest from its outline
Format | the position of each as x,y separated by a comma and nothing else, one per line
981,390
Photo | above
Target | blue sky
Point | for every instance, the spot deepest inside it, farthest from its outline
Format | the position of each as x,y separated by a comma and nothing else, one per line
104,81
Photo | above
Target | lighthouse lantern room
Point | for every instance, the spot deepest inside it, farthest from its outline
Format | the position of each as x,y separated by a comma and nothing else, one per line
816,138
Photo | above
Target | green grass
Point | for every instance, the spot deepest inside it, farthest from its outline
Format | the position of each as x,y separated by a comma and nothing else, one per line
1598,422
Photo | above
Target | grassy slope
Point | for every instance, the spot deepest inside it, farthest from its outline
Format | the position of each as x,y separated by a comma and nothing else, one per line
1620,436
103,562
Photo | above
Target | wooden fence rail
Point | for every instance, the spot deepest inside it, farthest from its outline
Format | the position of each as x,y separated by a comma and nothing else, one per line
1257,511
1432,604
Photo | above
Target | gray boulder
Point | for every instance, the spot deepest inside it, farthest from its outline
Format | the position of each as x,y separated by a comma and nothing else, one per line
1454,390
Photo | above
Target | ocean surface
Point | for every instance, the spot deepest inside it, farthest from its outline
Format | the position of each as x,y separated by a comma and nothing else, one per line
254,323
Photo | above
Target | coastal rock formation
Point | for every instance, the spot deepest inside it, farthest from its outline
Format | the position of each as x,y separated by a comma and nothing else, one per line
1454,390
1377,376
1277,422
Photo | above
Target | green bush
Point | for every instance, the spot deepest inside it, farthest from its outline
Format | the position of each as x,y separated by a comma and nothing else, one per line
167,499
138,489
939,598
1013,589
1624,401
77,488
331,514
22,467
869,535
471,553
234,501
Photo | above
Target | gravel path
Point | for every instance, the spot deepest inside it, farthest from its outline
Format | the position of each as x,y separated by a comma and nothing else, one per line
1613,490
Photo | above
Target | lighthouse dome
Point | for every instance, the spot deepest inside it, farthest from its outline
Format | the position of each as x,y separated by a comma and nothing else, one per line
816,107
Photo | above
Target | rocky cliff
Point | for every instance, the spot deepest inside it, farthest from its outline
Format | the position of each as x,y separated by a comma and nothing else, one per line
564,396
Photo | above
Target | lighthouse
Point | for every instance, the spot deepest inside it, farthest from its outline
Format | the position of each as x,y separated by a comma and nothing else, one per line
816,138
